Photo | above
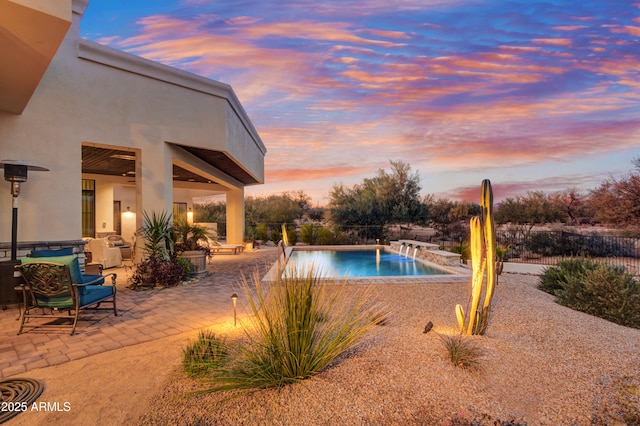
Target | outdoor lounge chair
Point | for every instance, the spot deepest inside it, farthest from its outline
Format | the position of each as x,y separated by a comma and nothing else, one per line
227,249
103,253
126,248
53,287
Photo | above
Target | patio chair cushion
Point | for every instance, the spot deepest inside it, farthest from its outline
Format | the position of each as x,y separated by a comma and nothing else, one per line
94,293
89,278
70,261
66,251
88,295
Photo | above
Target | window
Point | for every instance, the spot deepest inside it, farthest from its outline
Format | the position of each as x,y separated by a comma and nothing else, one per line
180,211
88,208
117,217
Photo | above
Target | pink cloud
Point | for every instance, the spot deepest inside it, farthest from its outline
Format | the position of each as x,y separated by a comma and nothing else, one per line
333,90
569,27
633,31
312,173
505,189
553,41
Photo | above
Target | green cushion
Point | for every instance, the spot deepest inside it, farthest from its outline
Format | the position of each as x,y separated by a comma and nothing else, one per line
62,301
70,261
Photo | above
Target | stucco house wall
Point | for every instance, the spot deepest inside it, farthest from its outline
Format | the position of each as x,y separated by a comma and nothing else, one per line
92,94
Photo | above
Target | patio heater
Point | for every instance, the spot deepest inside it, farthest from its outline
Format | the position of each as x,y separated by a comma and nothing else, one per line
15,172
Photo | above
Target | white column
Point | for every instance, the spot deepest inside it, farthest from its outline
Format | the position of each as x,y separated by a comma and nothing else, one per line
235,216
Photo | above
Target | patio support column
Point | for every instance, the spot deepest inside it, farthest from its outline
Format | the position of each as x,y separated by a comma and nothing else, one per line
235,216
104,208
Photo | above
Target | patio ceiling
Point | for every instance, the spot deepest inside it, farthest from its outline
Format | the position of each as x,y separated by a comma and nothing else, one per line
115,162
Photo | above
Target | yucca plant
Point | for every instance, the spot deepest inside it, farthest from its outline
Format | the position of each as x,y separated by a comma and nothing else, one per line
156,231
298,328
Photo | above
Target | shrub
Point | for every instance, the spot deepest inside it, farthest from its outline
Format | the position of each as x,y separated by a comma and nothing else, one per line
325,236
619,404
298,328
204,355
555,278
157,272
483,420
275,236
463,250
462,351
308,233
261,232
605,292
292,234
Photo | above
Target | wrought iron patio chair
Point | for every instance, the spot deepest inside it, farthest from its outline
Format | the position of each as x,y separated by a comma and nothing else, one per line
49,291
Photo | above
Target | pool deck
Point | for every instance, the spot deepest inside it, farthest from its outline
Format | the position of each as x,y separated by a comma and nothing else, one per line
143,316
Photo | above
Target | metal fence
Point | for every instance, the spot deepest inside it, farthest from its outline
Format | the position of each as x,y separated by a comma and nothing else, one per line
536,247
547,247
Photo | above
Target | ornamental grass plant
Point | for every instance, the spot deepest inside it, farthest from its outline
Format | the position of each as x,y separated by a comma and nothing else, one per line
207,353
462,351
298,327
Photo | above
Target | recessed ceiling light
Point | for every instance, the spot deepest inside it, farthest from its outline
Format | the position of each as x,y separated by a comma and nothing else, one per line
124,157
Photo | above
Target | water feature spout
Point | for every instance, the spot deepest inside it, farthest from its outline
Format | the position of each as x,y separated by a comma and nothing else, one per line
415,250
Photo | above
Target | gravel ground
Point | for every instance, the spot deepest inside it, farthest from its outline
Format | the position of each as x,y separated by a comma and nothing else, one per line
542,364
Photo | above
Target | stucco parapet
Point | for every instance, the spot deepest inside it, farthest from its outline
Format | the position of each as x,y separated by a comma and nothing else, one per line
128,62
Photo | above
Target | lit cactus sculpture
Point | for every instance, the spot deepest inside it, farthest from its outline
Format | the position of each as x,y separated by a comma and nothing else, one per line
483,259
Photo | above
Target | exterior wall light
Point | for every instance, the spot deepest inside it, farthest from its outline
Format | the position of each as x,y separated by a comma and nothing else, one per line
190,216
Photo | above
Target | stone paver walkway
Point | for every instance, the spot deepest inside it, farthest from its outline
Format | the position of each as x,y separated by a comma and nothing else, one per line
142,316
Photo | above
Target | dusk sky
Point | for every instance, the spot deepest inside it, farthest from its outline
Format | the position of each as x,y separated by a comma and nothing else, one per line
533,95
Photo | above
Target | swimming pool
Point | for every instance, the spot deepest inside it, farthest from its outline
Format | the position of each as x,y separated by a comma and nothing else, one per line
359,262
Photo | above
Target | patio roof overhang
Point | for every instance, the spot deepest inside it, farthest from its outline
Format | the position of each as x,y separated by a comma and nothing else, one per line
30,34
116,162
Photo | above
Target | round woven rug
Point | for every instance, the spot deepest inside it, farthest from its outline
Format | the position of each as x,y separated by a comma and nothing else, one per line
17,396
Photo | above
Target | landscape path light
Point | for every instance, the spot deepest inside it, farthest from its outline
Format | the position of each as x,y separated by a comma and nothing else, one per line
234,297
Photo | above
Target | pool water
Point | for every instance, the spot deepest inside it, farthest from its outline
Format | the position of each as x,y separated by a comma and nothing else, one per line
359,263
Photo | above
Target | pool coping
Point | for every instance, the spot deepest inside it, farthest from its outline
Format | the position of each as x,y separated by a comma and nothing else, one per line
455,274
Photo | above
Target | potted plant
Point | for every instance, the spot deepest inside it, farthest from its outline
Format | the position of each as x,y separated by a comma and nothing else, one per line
191,241
249,239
